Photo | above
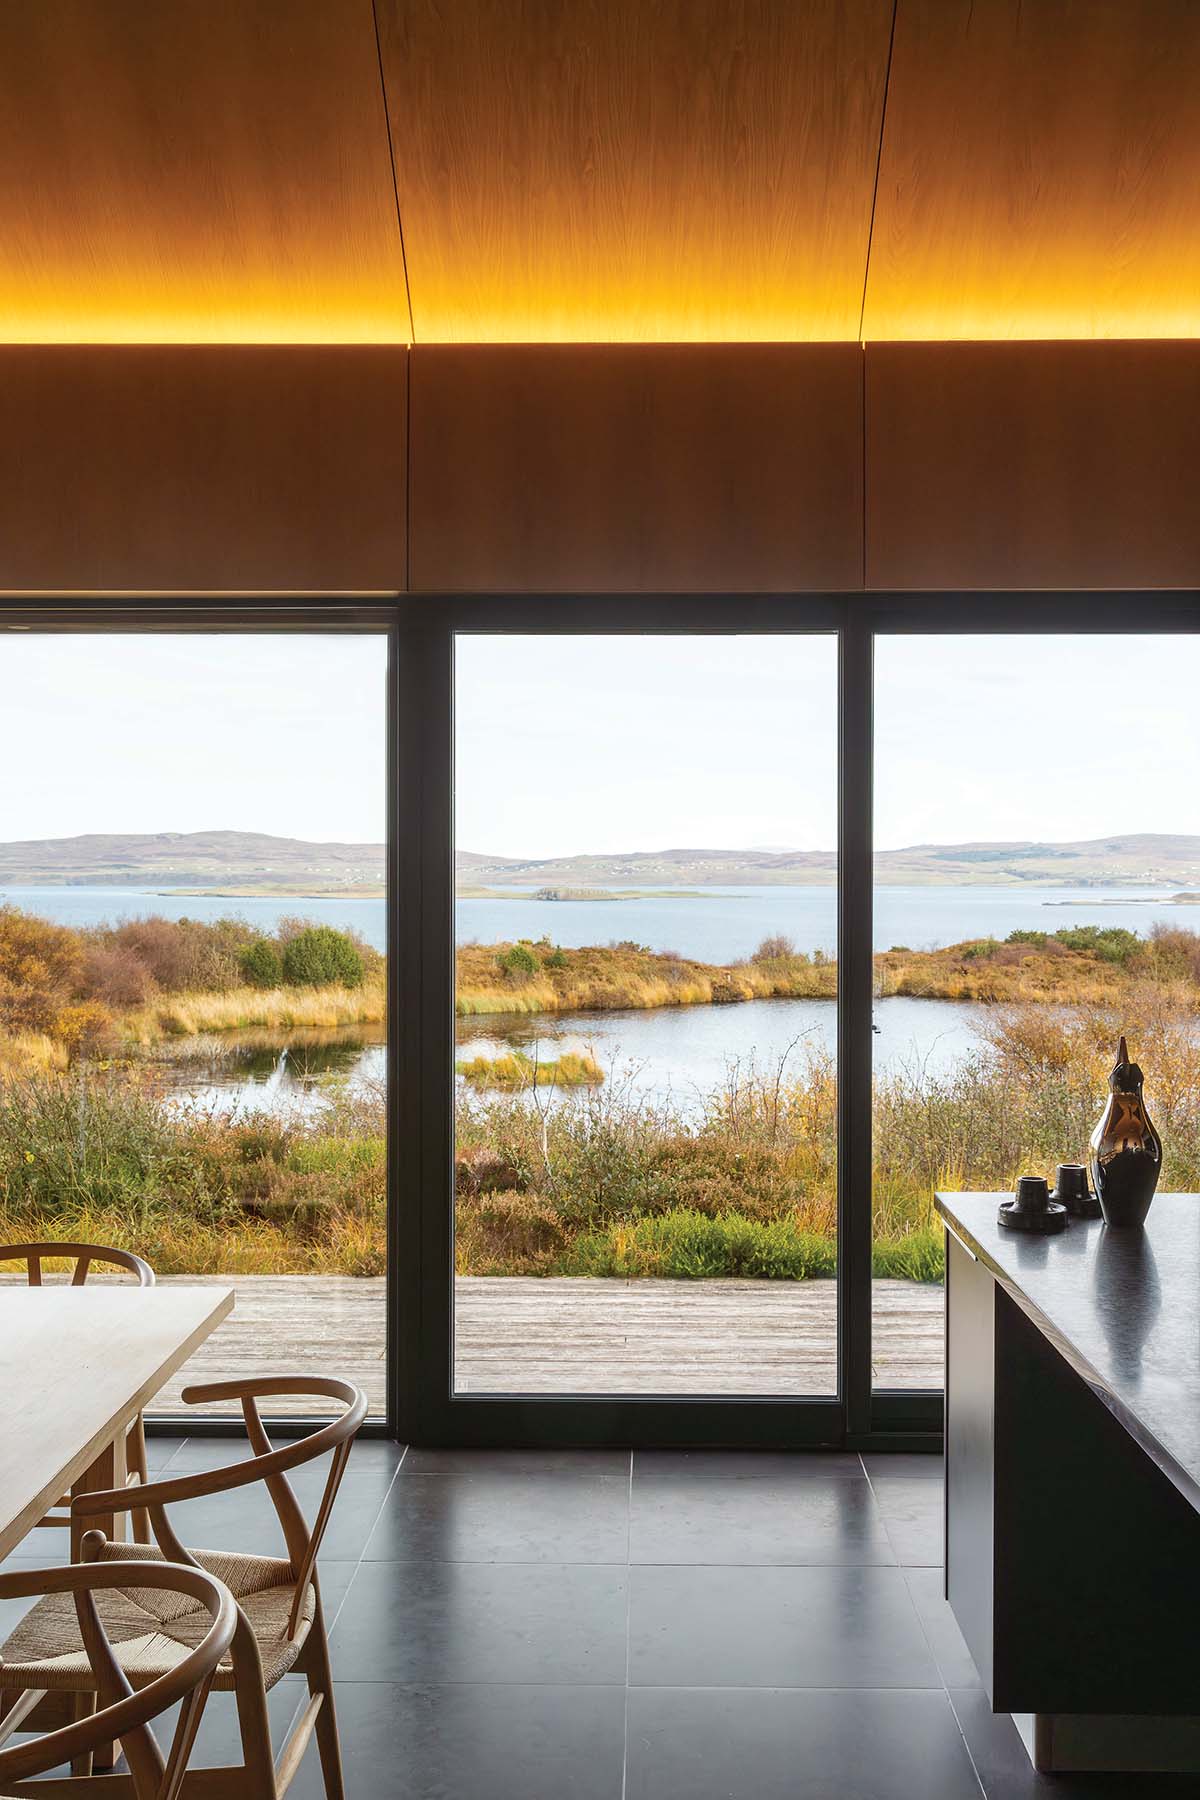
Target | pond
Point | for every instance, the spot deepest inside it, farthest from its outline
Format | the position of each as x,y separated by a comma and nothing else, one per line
674,1055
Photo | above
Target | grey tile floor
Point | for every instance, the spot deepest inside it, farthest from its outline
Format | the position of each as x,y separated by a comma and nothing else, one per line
512,1625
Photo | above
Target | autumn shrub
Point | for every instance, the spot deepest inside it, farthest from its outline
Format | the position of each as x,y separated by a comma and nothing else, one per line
1173,953
85,1029
508,1233
774,949
185,955
117,976
479,1170
41,970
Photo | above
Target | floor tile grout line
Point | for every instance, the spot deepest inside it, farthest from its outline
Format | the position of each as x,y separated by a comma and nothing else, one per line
331,1622
628,1615
904,1570
966,1744
368,1534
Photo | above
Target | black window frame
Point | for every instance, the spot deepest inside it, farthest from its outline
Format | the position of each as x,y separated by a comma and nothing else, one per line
421,629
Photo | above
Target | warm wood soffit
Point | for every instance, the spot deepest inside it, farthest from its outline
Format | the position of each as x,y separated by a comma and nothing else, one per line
609,170
204,171
598,170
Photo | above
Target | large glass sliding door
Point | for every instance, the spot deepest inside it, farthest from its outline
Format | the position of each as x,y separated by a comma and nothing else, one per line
646,866
1037,872
193,938
638,975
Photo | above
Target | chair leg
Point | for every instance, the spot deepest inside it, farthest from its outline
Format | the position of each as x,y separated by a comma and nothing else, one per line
258,1762
320,1681
135,1451
83,1706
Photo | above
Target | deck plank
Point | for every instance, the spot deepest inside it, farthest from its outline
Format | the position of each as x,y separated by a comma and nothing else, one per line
567,1335
518,1334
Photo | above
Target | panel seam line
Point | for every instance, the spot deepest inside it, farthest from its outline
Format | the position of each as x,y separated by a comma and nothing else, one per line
391,144
887,83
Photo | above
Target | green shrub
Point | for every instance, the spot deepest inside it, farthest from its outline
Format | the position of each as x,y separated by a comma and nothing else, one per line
262,965
319,955
518,962
917,1256
1111,943
557,958
690,1246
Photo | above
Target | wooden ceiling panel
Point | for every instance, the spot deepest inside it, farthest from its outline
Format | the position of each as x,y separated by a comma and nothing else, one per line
195,171
1040,175
1022,465
635,170
634,468
203,468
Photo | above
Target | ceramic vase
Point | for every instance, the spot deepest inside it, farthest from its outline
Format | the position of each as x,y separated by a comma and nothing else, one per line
1125,1150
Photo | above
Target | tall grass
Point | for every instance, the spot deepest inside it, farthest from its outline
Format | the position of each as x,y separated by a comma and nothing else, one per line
606,1182
546,978
516,1072
246,1008
103,1158
594,1179
30,1053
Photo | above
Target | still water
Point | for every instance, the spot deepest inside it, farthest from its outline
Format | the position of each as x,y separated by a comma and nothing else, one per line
718,926
674,1055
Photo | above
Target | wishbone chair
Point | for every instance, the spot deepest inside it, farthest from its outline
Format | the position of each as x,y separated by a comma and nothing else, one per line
84,1255
280,1623
123,1713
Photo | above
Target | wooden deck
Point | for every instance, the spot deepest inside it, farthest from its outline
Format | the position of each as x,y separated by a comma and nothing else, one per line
520,1335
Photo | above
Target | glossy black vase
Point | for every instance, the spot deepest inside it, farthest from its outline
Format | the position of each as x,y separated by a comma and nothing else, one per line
1125,1150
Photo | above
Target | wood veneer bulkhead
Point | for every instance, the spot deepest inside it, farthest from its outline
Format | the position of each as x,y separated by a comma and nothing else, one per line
208,171
1040,172
612,171
205,468
1022,465
703,468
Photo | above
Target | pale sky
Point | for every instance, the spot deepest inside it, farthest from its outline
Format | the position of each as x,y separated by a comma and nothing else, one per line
135,733
603,743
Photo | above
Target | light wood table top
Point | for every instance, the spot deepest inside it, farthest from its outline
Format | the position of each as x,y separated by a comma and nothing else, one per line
76,1365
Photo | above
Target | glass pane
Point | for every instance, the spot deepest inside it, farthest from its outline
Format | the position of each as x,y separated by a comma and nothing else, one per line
192,934
646,1019
1036,866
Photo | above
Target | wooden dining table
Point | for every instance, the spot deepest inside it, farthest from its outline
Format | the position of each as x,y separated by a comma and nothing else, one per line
77,1364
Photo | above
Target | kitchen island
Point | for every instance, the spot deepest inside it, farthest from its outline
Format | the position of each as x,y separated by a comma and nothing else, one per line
1073,1479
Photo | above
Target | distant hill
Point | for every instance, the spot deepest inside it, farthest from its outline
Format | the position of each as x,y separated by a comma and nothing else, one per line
1132,860
249,862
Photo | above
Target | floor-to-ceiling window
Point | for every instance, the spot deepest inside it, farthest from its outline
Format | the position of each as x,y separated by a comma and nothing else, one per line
618,1204
1037,878
646,1014
193,937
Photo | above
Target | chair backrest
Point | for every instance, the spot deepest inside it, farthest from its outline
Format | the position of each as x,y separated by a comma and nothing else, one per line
268,1465
123,1713
83,1256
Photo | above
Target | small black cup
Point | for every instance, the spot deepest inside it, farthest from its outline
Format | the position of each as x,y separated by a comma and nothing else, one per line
1032,1209
1071,1187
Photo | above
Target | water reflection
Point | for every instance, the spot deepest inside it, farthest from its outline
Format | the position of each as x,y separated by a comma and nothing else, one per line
277,1071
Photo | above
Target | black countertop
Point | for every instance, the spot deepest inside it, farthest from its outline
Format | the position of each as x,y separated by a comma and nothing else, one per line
1123,1307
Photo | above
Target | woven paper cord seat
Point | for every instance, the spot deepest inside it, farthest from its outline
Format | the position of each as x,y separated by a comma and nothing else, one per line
152,1630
